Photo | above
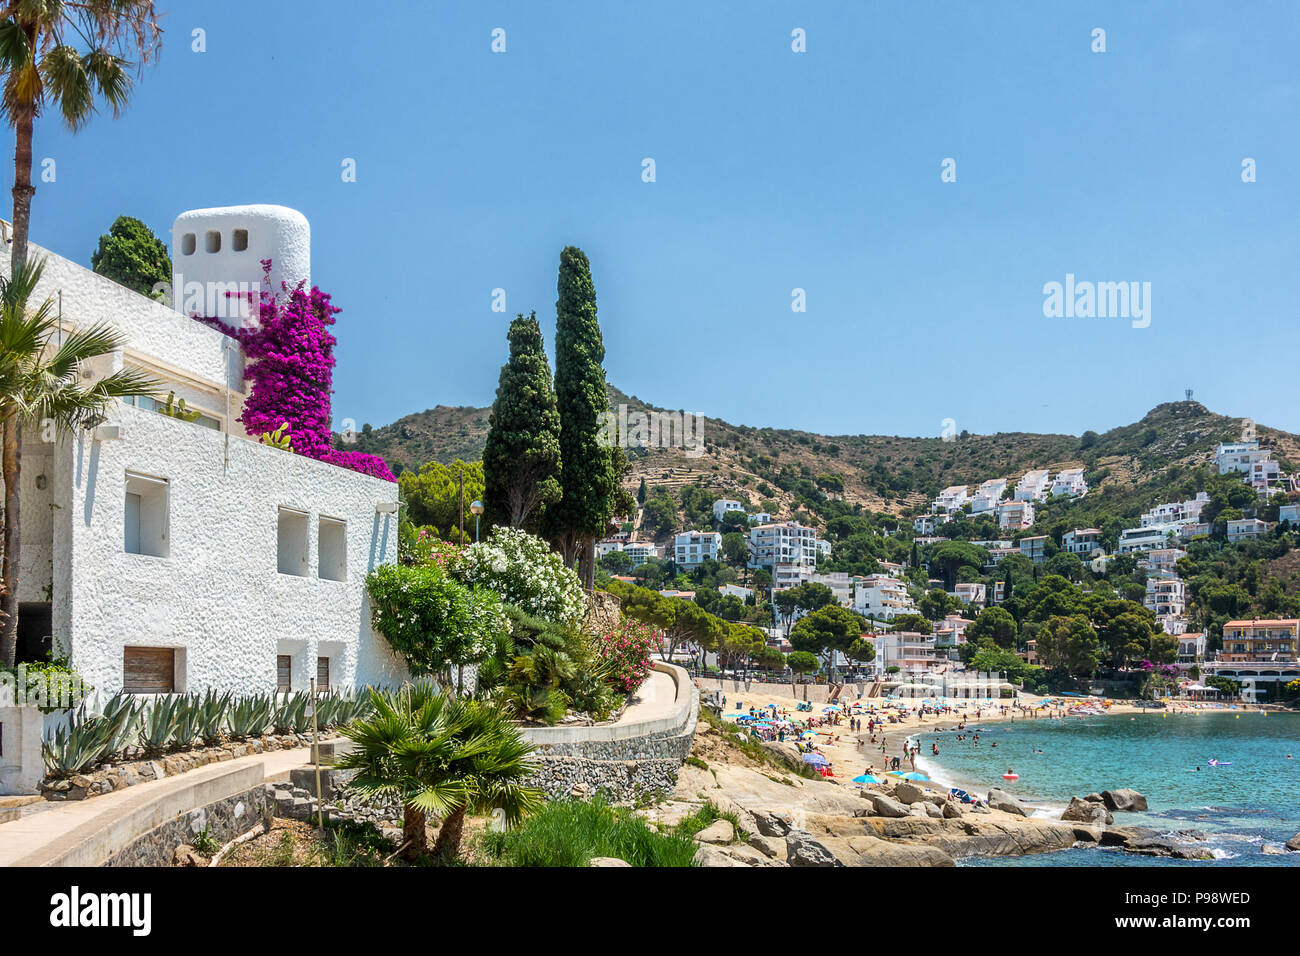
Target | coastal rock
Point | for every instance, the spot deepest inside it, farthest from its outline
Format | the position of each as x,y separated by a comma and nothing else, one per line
750,857
1085,811
718,832
1094,798
802,850
1001,800
1164,846
1272,849
908,793
918,810
768,846
1086,834
931,810
951,810
1124,836
712,856
870,851
744,819
771,823
607,861
1294,843
1123,800
887,806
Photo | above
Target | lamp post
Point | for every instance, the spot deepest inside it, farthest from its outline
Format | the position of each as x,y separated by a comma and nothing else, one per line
476,507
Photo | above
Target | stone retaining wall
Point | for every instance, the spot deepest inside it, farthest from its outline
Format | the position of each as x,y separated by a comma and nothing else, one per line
224,820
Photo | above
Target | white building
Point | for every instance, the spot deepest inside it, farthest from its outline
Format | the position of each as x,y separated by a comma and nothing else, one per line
1191,647
691,548
1167,597
1035,548
736,591
1176,512
987,495
760,517
950,634
1161,560
840,583
787,542
165,556
724,505
1069,483
951,499
640,552
1083,541
1238,456
928,524
970,592
1015,515
910,652
881,596
1032,486
1289,513
1146,537
1243,529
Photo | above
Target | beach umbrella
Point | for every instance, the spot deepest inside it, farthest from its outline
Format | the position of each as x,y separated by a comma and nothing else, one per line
909,775
866,778
816,760
809,733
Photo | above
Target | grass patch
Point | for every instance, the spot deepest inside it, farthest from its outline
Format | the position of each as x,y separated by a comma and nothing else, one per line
697,762
705,816
571,832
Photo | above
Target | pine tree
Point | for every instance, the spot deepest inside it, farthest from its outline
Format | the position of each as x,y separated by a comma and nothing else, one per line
521,459
589,466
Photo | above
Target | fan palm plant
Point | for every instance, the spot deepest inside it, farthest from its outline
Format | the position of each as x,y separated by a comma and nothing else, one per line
40,382
73,55
440,755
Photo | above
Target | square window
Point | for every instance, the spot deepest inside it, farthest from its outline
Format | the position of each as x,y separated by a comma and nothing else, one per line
145,524
332,549
212,241
149,670
291,542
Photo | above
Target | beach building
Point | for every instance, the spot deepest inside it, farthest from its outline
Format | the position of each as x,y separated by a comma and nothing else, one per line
1035,548
1084,541
952,498
736,591
949,635
167,556
987,495
641,551
723,506
1191,647
1069,483
1032,486
1242,529
1238,456
1175,512
909,651
1166,595
1188,532
760,517
928,524
691,548
881,596
786,542
1258,640
1015,515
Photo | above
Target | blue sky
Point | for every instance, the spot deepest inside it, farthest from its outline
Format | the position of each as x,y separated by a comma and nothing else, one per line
775,171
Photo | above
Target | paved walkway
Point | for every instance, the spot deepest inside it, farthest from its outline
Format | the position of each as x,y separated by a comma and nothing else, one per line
56,827
653,699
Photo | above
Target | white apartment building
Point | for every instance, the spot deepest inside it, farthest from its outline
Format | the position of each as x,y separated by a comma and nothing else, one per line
987,495
951,499
881,596
760,517
1032,486
736,591
1146,538
950,634
910,652
164,556
640,552
970,592
1176,512
724,505
1167,597
786,542
1243,529
791,575
1265,474
1238,456
840,583
691,548
1069,482
1289,513
1192,647
1161,560
928,524
1189,531
1035,548
1081,541
1015,515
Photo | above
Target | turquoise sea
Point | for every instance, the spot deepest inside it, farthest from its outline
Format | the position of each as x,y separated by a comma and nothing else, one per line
1242,806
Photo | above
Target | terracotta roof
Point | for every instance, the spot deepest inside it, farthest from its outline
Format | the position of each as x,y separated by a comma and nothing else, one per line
1257,622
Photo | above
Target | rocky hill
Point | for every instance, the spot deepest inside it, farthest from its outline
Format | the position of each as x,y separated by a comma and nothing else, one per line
889,474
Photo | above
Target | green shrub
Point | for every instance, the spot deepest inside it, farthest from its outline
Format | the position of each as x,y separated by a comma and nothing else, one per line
571,832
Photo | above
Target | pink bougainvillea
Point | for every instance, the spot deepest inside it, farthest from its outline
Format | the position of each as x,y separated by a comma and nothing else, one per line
628,647
290,354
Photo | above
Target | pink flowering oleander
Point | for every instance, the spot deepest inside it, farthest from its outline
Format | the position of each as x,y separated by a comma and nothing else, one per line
291,370
628,647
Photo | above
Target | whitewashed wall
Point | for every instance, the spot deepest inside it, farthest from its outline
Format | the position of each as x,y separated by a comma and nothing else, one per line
218,595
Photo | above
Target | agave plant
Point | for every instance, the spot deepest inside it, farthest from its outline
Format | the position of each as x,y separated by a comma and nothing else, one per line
158,723
123,714
189,719
291,715
250,716
210,715
87,741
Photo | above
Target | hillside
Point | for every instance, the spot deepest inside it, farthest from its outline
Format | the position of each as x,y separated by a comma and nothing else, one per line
1129,467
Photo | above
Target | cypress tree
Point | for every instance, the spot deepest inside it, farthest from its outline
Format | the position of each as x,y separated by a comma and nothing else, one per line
641,493
589,469
521,459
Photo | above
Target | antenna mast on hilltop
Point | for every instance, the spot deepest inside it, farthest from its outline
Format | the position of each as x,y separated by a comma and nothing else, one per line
1188,393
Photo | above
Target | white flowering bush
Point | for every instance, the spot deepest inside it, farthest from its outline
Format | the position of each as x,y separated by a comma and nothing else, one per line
525,572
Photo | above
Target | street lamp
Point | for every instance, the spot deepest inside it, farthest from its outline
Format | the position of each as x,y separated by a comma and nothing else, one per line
476,507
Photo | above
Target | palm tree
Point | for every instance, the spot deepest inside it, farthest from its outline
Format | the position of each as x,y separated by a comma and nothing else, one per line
440,755
72,53
40,382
